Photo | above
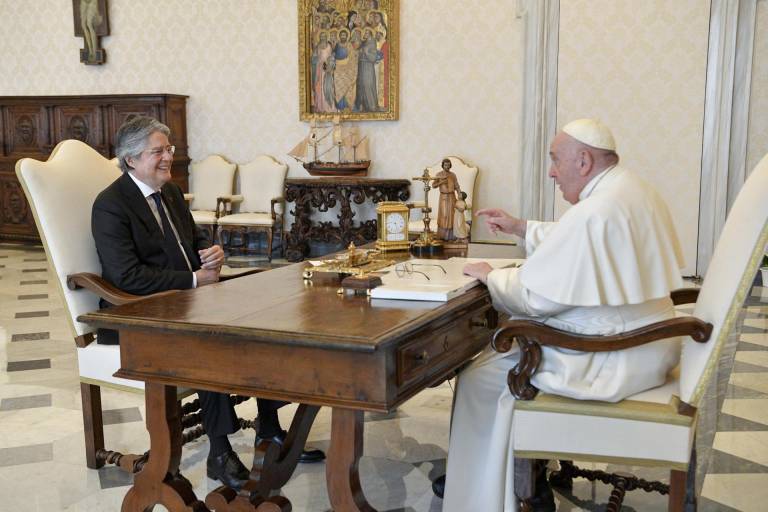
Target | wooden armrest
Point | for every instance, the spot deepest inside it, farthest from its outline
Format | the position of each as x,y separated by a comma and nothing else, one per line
96,284
274,201
531,335
231,198
684,296
224,204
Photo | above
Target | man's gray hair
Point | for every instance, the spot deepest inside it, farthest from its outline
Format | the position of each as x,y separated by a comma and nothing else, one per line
132,138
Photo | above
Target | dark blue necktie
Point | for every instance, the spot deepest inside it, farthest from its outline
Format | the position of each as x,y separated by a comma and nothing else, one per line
173,246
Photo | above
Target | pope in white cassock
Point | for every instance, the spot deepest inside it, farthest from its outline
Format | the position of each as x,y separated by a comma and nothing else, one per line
607,266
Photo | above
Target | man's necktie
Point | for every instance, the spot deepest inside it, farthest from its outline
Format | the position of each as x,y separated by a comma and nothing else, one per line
173,246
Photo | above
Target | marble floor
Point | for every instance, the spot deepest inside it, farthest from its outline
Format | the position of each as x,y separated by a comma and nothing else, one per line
42,463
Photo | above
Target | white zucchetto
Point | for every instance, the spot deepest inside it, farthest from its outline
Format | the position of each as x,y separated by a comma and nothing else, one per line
592,133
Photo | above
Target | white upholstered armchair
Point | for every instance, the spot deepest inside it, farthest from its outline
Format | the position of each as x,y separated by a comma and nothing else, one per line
61,192
210,180
261,204
466,175
656,427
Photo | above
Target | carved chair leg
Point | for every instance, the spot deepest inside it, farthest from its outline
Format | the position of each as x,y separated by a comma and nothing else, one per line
93,424
677,486
270,237
617,494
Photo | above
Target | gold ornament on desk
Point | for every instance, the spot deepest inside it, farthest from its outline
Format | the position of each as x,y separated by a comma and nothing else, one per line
392,226
356,264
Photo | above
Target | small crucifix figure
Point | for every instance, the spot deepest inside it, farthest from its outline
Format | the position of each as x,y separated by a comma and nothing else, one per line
91,22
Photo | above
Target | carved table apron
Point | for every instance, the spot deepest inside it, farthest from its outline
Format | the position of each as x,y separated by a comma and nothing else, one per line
301,342
322,194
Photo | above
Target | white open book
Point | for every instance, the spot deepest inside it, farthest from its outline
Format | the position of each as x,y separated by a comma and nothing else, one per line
431,279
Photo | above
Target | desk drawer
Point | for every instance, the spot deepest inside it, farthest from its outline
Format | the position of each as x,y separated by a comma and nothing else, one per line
429,353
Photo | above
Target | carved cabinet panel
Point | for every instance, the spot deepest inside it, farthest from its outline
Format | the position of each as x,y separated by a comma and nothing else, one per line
26,129
15,214
31,126
83,123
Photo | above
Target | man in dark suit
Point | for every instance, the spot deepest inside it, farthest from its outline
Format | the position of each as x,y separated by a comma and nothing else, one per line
147,243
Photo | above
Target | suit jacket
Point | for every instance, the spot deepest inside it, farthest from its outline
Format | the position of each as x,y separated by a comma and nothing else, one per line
130,242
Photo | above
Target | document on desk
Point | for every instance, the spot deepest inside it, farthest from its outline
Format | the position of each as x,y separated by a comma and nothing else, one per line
432,279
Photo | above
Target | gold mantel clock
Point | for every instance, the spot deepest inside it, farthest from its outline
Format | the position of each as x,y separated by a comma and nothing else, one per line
392,219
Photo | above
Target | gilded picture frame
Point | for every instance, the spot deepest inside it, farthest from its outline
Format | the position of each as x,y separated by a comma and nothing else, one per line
349,58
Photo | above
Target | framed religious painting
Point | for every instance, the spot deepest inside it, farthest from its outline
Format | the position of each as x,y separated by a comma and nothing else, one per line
348,59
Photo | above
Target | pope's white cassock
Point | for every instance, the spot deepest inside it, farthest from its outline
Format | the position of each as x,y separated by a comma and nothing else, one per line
606,267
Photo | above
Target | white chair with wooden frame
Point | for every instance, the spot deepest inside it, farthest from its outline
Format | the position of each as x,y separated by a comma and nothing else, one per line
262,184
61,192
465,173
656,427
210,180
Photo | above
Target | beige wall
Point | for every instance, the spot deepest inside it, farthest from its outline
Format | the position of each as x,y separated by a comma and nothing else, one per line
757,135
641,68
237,60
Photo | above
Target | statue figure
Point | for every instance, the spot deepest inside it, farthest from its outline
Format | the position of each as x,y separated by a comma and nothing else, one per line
89,20
460,225
449,187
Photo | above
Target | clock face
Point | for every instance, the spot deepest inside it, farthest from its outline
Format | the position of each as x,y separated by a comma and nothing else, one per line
395,226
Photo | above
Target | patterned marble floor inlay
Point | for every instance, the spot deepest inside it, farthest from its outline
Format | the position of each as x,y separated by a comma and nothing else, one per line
33,364
33,296
115,416
29,454
25,402
34,281
31,336
41,429
32,314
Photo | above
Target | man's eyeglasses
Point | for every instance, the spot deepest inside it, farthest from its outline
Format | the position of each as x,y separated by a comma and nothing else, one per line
159,151
406,269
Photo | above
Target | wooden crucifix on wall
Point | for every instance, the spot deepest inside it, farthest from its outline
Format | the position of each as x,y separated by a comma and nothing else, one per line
91,23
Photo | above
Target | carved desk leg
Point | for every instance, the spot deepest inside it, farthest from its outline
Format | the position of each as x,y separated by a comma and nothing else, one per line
272,468
159,481
341,472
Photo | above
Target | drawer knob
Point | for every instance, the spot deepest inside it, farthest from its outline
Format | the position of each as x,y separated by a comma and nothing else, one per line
479,323
423,357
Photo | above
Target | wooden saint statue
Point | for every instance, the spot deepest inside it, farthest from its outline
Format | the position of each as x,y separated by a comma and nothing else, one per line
448,185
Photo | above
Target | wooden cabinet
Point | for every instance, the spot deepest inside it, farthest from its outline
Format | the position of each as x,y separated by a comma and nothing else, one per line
31,126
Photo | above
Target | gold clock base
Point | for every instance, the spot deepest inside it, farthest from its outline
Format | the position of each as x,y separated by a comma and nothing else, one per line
392,246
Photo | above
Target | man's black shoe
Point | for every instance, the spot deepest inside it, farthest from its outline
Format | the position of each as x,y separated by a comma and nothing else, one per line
438,486
227,469
307,455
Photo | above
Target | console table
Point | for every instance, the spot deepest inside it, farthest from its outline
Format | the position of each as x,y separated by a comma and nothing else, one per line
320,194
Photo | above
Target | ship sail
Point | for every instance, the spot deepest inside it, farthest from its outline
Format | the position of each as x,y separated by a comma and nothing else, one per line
361,150
300,151
352,156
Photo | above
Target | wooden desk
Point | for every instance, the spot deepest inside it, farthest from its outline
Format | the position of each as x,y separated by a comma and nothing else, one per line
322,194
274,335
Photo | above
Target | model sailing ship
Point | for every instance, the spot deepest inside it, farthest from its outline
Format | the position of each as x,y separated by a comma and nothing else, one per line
346,145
